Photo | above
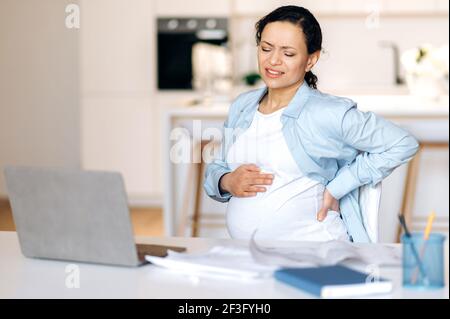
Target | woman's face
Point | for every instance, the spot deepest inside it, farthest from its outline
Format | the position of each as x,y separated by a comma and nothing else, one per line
283,57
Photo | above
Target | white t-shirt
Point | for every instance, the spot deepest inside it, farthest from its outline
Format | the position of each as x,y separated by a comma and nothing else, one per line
288,209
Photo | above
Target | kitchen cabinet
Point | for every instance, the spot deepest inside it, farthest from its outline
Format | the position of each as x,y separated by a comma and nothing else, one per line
117,81
118,135
387,7
260,8
442,6
409,6
116,47
344,7
193,8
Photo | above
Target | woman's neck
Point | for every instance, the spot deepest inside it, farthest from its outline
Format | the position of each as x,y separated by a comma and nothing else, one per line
278,98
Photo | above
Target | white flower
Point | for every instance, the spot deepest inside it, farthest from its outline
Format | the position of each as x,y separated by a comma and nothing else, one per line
427,61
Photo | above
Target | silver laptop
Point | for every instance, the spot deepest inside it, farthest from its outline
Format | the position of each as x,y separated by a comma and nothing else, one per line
75,215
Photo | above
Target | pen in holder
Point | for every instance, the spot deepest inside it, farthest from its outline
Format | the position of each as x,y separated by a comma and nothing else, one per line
409,249
432,261
426,236
424,270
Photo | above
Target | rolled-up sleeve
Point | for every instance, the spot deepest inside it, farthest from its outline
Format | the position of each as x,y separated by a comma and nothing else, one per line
382,147
219,167
214,171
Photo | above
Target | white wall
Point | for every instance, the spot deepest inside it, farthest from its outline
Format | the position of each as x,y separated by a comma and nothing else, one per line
353,59
39,114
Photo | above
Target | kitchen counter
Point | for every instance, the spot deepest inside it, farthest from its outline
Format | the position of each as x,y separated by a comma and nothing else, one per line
392,106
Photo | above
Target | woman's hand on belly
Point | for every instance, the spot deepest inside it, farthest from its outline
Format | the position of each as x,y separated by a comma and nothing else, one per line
245,181
328,203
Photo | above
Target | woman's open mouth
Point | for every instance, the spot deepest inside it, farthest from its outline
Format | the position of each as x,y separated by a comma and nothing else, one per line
273,74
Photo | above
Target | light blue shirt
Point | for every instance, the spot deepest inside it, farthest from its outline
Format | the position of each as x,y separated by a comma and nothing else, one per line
331,141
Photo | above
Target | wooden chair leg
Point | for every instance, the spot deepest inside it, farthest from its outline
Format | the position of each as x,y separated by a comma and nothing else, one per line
411,182
184,218
196,216
198,193
409,193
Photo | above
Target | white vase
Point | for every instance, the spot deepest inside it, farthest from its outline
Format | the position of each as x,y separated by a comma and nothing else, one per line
425,86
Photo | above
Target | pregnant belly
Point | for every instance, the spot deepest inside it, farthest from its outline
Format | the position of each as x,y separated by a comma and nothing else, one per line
294,218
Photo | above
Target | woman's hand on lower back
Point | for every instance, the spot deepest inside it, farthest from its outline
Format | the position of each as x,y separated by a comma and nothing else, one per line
245,181
329,203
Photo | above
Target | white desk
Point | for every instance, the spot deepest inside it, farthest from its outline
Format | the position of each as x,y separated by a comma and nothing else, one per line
21,277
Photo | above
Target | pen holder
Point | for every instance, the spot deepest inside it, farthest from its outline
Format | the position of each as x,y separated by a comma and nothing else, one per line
423,261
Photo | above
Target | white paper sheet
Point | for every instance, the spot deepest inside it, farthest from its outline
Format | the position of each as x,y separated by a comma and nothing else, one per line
261,261
306,254
219,260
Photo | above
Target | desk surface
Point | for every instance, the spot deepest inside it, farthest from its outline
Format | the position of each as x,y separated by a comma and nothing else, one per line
22,277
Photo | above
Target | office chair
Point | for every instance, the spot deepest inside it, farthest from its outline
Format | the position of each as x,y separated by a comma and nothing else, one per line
369,203
198,218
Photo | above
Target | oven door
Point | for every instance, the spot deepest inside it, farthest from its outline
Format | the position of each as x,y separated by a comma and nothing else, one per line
175,59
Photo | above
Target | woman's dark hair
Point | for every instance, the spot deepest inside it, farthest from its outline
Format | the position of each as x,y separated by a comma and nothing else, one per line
306,21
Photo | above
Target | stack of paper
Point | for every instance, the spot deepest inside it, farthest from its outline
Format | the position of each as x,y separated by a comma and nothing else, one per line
260,262
218,261
306,254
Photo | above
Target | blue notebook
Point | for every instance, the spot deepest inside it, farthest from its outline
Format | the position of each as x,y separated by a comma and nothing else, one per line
333,281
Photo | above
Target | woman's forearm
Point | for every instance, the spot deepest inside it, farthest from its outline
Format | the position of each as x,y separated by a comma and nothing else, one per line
383,145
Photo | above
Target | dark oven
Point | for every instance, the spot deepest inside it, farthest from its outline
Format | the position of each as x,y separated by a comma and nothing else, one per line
176,37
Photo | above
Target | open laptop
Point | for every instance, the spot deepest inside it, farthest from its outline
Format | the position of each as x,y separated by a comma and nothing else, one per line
75,215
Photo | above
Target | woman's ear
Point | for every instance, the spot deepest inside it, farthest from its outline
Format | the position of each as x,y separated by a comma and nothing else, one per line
312,60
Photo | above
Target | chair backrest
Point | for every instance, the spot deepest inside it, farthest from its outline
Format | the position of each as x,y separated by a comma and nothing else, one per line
369,203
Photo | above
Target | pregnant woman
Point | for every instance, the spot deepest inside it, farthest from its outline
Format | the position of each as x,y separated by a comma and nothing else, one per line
293,158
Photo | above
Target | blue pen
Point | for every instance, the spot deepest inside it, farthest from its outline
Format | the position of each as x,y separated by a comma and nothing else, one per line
413,248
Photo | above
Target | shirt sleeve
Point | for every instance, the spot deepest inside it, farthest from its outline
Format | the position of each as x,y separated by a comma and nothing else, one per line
214,171
219,167
382,147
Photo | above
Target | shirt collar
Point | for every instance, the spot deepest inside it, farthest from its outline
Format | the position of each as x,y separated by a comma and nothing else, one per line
295,106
